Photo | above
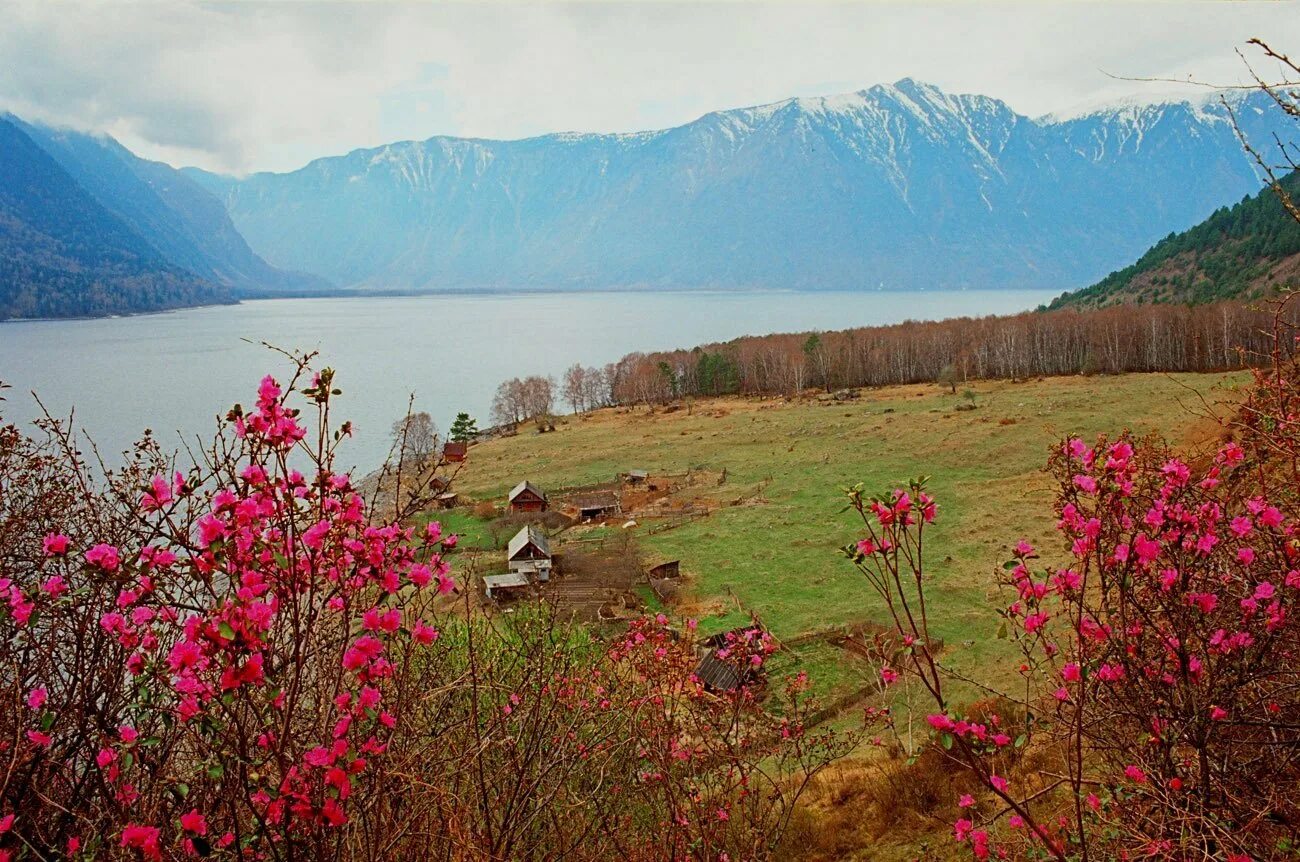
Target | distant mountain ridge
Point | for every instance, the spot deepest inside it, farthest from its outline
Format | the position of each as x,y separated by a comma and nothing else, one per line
1246,251
898,186
184,222
63,254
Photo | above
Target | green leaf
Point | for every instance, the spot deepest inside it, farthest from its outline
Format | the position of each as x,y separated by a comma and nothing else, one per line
182,790
946,741
226,631
216,770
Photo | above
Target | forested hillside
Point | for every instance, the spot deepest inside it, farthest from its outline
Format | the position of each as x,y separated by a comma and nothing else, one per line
1244,251
62,254
181,220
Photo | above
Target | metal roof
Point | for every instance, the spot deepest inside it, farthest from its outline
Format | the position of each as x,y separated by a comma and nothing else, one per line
638,474
523,537
526,486
719,674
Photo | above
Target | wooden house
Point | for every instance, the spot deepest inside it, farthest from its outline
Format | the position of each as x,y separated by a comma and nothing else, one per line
529,554
526,497
453,452
636,477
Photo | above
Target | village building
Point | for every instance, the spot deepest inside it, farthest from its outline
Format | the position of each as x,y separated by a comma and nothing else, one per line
506,585
453,452
719,674
664,571
595,504
529,554
526,497
636,477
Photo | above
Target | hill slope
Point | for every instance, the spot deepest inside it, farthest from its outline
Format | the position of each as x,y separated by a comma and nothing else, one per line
1243,251
901,186
63,254
184,222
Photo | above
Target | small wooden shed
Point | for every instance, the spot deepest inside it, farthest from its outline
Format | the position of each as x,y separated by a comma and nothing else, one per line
453,452
596,504
526,497
719,674
529,554
670,569
505,585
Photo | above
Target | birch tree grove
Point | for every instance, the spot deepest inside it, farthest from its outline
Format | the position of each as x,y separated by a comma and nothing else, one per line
1162,338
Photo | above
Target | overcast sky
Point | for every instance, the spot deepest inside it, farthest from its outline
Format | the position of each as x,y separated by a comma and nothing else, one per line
239,87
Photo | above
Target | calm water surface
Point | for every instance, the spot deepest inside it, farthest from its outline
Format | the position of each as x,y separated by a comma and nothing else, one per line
176,372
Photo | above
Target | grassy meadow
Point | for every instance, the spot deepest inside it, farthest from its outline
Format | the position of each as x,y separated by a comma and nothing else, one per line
772,545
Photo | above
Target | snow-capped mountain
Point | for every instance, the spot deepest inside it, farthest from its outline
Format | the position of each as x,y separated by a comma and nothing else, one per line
900,185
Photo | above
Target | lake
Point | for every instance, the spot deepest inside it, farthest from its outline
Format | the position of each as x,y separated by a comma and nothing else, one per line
175,372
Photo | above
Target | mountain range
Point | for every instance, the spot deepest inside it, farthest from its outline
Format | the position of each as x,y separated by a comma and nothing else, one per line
88,228
63,253
899,186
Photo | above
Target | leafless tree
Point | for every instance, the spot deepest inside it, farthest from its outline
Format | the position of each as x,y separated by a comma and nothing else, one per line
415,438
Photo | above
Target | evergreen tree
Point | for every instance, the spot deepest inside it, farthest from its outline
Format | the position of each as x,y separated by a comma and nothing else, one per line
464,429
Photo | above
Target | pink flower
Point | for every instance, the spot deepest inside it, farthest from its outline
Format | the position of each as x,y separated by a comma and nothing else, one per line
158,495
1135,774
193,821
966,801
105,557
888,675
36,698
314,536
55,545
39,739
423,633
998,783
142,838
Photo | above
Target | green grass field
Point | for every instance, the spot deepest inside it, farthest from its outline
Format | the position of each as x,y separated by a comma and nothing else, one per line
777,555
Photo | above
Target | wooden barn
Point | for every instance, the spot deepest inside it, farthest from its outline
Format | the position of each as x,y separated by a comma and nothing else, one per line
596,504
526,497
529,554
454,452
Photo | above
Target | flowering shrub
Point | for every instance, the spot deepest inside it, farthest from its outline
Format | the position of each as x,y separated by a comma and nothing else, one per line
1160,661
240,660
197,663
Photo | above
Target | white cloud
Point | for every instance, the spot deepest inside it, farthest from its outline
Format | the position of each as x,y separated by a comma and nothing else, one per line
267,87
